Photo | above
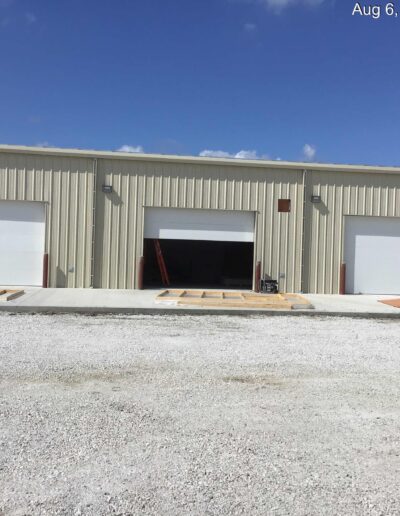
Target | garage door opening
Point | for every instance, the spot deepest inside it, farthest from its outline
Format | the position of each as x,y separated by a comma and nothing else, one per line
200,264
371,254
200,248
22,238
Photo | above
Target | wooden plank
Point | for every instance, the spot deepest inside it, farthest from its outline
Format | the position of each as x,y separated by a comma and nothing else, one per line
234,304
8,295
234,299
298,300
391,302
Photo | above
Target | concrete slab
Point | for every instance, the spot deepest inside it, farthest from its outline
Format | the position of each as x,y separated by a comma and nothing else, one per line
351,303
60,300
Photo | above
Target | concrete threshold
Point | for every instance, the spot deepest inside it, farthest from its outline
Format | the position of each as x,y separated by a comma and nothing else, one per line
93,311
135,302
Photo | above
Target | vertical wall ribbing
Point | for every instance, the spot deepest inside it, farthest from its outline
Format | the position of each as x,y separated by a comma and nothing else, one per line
49,180
343,194
67,186
147,184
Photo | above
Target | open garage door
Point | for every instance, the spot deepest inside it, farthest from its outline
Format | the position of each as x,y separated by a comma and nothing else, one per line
372,255
22,234
200,248
187,224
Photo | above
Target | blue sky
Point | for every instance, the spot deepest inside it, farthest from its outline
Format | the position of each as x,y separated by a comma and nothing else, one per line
287,79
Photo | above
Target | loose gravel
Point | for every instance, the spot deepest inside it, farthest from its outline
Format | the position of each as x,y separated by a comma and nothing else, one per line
199,415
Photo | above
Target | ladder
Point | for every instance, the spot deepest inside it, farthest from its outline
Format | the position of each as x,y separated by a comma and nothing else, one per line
161,263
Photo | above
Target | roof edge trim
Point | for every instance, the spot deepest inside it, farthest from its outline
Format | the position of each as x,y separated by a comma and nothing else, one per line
200,160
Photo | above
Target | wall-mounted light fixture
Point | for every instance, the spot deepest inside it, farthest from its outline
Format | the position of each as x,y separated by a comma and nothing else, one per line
106,189
315,199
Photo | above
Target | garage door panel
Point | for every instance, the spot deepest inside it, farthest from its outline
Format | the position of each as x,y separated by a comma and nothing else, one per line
15,236
372,255
192,224
22,211
22,238
22,269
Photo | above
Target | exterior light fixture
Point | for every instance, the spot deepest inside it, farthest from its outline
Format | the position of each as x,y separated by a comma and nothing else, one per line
316,199
107,188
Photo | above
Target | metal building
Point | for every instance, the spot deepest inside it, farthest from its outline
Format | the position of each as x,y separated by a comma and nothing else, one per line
76,218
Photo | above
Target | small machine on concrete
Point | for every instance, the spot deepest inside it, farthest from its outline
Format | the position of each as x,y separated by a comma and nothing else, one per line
268,286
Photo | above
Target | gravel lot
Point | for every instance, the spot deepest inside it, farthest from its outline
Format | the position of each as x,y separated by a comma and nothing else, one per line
199,415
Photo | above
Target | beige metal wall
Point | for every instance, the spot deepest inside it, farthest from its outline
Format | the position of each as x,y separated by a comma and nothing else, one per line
137,184
66,187
342,194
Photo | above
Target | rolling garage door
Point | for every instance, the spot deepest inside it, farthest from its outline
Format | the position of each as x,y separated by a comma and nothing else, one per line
188,224
22,233
198,248
372,255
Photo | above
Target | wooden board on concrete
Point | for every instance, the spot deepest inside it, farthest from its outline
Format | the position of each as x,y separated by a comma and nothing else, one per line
9,294
391,302
233,299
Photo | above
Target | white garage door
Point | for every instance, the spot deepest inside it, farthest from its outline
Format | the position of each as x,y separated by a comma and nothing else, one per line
22,226
372,255
187,224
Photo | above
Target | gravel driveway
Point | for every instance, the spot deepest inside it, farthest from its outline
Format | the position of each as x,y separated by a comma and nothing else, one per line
199,415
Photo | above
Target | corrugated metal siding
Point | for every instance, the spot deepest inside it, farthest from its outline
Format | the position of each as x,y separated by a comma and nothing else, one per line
119,216
66,186
341,194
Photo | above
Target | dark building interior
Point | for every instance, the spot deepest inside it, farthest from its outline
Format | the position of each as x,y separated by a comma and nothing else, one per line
199,264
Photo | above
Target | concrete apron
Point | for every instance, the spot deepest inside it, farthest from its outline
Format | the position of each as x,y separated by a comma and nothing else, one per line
136,302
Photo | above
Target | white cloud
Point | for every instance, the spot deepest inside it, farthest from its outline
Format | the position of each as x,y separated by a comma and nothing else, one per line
42,144
130,148
30,18
278,6
250,27
247,154
242,154
5,21
309,152
215,154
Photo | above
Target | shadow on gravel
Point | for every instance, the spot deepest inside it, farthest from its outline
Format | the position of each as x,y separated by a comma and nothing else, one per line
254,380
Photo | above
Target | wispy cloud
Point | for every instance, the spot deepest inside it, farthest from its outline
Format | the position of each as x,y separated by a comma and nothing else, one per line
42,144
309,152
277,6
242,154
215,154
30,18
250,27
130,148
26,16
